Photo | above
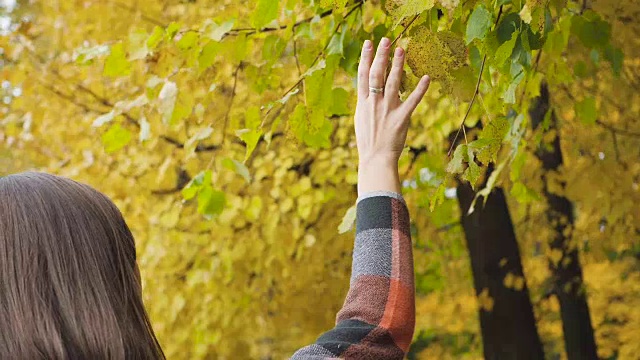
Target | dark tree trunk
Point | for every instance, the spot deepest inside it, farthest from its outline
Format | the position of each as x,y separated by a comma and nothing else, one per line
567,273
509,329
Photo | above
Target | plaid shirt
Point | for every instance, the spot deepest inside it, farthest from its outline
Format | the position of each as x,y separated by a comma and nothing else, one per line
378,316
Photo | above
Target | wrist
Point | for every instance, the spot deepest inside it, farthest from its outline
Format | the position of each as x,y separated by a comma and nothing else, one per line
378,174
386,162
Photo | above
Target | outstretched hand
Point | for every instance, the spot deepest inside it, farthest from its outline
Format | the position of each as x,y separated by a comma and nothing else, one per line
382,119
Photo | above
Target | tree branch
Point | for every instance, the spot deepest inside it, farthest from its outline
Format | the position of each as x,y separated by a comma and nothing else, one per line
301,79
250,31
404,30
69,98
618,131
475,94
233,95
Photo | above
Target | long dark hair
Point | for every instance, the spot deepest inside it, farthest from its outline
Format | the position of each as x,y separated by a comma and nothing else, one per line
69,283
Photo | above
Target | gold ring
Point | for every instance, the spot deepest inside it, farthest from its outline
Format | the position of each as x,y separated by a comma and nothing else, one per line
375,90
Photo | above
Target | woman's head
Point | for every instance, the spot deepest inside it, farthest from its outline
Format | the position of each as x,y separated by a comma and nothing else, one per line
69,283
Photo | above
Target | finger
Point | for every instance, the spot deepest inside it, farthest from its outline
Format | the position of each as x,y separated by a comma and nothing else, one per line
395,76
416,96
363,69
379,67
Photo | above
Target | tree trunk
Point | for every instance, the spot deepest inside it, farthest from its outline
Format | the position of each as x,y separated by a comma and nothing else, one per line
508,326
567,272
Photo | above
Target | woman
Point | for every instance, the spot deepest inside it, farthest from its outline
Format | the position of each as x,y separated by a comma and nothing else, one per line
70,286
378,315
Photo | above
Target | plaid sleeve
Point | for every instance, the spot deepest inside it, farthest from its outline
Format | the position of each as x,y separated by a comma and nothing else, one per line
378,316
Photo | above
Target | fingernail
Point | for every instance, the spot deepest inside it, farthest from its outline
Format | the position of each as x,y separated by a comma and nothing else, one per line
399,52
384,42
367,44
425,78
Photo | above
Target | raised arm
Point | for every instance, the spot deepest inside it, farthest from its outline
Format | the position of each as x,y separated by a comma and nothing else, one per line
378,317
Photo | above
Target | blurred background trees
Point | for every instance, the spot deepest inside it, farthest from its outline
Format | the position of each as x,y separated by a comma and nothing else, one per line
223,131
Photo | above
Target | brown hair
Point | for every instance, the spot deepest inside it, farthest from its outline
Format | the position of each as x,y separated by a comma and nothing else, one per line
69,283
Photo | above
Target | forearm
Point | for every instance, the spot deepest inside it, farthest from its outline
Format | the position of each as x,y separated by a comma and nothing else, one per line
378,316
378,175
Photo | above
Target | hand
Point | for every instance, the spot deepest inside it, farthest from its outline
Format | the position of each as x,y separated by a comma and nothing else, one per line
382,120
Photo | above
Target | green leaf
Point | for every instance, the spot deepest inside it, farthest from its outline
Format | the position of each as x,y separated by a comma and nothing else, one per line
351,57
407,8
208,55
252,117
580,69
172,30
217,32
273,47
523,194
479,24
586,111
490,140
116,63
190,191
505,50
210,202
238,167
516,165
558,39
183,107
192,188
348,220
472,173
518,73
188,40
265,12
509,23
115,138
311,127
456,164
534,40
616,57
250,138
236,48
304,30
438,197
336,45
155,38
340,104
509,95
593,32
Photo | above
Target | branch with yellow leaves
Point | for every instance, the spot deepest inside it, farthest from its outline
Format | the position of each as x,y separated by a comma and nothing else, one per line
326,46
238,31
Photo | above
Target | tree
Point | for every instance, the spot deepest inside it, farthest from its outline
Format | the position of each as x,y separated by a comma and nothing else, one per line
506,315
568,284
223,133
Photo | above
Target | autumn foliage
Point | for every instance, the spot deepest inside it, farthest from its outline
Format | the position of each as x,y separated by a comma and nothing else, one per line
224,132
